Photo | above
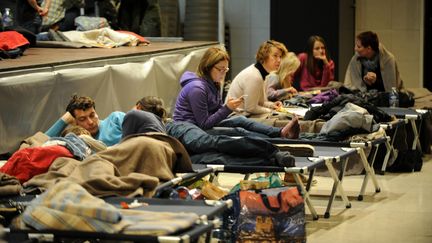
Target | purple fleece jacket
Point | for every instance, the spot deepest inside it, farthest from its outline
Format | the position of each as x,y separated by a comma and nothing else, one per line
199,102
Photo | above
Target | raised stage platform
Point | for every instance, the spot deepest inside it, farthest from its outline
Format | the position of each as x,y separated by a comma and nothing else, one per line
35,89
51,59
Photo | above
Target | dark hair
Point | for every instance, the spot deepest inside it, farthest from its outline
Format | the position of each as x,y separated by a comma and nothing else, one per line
369,38
154,105
311,62
80,103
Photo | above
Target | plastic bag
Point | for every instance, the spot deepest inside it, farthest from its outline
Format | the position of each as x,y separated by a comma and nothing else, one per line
84,23
271,215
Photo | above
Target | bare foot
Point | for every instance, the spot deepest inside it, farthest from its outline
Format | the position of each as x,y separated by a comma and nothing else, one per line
292,129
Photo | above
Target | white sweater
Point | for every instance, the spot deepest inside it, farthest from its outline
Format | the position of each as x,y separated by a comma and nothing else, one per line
250,82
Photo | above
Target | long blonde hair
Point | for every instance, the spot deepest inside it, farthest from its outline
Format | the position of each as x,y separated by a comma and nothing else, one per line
289,64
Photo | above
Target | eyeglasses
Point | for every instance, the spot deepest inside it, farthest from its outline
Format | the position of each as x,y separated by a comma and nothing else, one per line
222,70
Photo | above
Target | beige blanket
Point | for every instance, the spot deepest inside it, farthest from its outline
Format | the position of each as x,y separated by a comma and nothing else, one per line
133,167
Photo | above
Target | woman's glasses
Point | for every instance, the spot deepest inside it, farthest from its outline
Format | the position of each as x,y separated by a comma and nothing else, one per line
222,70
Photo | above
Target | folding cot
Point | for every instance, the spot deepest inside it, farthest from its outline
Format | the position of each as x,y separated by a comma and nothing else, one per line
183,178
412,116
324,156
359,148
391,128
208,211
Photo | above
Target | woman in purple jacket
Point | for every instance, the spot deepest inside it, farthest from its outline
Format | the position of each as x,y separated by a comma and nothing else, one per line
200,102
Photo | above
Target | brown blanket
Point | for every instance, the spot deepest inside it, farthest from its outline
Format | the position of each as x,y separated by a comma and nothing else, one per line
133,167
423,98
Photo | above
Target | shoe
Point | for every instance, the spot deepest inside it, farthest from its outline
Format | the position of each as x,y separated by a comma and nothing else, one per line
292,129
284,159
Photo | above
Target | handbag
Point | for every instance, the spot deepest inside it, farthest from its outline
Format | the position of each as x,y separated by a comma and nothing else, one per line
270,215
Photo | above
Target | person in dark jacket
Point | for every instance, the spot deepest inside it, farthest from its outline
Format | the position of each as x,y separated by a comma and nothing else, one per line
149,115
199,102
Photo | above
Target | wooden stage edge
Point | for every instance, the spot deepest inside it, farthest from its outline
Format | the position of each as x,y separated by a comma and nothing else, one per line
51,59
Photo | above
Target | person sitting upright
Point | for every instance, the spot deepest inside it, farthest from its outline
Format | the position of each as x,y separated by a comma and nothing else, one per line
372,66
316,68
250,81
203,147
278,83
199,102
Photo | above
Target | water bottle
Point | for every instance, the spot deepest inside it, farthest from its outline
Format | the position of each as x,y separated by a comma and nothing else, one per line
394,98
7,18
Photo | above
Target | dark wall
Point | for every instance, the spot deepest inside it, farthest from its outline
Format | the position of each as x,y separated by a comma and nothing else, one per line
7,4
292,22
427,50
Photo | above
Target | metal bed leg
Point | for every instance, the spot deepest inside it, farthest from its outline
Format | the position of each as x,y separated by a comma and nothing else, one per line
389,149
375,151
331,199
337,185
306,196
416,142
214,178
369,173
309,183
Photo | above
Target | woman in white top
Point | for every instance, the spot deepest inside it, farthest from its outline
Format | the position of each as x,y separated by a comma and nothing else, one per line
249,83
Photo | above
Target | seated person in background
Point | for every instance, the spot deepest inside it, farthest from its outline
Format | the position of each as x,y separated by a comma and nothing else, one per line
81,111
250,81
278,83
202,146
316,68
199,101
30,13
61,15
372,66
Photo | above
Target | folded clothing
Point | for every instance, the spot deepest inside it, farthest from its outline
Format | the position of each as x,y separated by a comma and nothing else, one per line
12,44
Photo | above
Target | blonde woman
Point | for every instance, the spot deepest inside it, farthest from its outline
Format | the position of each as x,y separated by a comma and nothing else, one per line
278,84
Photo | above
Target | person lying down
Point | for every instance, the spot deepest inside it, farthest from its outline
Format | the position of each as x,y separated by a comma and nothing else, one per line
204,147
